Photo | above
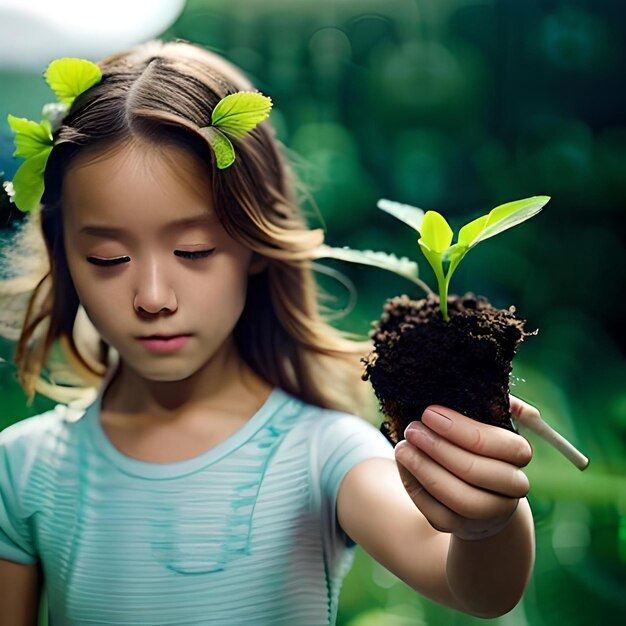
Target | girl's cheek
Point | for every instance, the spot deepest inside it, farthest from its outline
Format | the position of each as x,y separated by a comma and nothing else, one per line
94,292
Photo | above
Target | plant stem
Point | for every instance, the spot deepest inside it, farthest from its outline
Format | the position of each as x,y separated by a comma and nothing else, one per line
443,297
443,303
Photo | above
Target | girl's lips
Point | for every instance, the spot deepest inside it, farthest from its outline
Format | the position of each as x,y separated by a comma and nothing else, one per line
164,344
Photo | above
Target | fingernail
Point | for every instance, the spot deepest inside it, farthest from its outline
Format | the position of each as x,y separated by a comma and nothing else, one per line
411,426
522,480
437,419
423,432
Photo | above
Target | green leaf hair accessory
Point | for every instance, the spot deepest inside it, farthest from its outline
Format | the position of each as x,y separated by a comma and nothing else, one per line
234,116
68,78
33,142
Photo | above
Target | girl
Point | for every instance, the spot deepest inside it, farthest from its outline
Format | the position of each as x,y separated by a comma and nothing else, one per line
218,474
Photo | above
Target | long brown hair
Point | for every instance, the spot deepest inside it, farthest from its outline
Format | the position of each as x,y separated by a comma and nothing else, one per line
165,91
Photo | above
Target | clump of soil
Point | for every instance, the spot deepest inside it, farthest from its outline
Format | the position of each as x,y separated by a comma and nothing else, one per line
464,364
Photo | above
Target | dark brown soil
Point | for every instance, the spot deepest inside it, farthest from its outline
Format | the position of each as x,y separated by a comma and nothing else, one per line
464,363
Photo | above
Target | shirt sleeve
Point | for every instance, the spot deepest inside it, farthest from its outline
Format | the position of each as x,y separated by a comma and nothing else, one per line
16,543
342,441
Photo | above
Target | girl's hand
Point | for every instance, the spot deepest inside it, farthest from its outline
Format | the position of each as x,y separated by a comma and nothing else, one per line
464,475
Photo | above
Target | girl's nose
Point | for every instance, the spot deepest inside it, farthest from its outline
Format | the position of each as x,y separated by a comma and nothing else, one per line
153,292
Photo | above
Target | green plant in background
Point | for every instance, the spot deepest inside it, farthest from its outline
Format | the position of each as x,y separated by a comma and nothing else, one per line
436,240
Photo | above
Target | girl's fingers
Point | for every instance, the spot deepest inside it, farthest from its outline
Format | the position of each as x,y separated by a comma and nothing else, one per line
482,472
462,498
482,439
440,517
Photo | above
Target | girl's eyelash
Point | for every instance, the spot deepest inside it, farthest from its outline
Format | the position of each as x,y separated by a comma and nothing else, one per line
187,254
194,254
106,262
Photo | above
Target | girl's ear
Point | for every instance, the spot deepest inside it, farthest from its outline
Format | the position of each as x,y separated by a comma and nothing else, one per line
257,264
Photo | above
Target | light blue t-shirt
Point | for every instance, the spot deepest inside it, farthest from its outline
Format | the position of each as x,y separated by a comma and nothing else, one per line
245,533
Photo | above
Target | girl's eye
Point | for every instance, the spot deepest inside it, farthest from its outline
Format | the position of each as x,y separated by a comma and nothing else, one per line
187,254
107,262
194,254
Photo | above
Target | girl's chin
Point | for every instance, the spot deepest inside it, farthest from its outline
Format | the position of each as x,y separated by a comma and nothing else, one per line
161,372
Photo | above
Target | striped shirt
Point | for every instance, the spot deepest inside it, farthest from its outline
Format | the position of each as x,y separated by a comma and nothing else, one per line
244,533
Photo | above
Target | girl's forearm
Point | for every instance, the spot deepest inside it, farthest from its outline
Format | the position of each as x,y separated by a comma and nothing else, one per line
489,576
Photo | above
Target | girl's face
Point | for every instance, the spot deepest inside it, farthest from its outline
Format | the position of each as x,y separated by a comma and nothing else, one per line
148,256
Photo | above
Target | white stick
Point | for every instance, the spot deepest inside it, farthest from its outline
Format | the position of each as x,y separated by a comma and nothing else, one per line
530,417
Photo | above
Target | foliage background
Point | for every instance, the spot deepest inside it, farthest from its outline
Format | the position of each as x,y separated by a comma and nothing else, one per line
458,106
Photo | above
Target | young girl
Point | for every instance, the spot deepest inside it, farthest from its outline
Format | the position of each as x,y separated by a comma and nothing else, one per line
218,474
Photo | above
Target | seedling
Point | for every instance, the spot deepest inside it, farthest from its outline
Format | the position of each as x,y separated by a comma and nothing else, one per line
444,257
436,240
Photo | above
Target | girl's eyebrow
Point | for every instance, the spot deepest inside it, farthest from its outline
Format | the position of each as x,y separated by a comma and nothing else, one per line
206,219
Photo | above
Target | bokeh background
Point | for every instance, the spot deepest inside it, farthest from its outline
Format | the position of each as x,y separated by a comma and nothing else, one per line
457,106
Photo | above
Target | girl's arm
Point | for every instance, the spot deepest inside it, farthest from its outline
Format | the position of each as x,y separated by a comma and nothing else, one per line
20,587
464,480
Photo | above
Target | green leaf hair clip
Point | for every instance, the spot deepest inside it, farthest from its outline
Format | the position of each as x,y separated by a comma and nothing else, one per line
68,78
234,116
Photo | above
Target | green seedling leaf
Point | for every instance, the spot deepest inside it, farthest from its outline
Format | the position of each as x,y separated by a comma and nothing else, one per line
30,138
28,181
222,147
239,113
436,232
435,259
401,266
471,230
69,77
500,219
404,212
434,242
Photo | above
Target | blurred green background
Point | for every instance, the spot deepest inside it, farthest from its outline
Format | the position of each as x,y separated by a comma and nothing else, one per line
458,106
